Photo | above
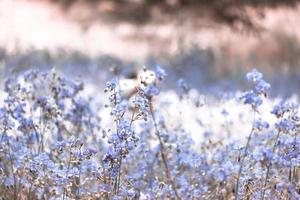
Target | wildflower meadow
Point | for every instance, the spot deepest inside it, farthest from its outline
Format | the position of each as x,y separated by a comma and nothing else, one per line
60,141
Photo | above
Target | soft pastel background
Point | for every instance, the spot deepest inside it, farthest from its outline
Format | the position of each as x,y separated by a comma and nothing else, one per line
209,43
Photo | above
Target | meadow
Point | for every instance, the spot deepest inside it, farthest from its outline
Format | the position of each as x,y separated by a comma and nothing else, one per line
64,139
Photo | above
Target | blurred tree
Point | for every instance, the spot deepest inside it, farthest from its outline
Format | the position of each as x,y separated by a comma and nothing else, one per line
240,14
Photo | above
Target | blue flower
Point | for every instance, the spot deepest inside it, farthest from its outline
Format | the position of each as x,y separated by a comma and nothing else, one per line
262,87
281,108
151,90
285,125
160,72
254,76
252,99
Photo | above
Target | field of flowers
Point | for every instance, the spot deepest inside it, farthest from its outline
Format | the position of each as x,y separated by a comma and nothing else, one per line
63,139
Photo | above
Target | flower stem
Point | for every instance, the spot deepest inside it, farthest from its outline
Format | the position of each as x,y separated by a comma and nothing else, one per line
268,167
242,158
162,149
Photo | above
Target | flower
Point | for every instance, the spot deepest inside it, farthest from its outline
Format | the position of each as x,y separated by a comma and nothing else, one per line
151,90
260,125
183,86
160,73
281,108
110,86
252,99
262,87
254,76
142,104
285,125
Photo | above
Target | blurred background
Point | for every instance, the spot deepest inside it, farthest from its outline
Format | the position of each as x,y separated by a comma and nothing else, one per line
210,43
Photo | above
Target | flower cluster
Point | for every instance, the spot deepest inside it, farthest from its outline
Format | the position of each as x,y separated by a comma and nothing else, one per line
261,87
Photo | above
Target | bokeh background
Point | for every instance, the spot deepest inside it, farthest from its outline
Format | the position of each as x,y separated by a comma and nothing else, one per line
210,43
